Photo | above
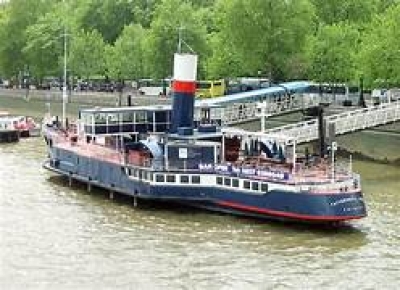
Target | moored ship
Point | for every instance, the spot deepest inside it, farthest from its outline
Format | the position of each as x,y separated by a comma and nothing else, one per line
160,153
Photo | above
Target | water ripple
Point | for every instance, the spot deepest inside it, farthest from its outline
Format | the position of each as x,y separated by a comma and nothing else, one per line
56,237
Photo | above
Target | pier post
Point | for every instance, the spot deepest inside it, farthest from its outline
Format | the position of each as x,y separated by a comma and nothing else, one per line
89,187
70,180
134,200
111,195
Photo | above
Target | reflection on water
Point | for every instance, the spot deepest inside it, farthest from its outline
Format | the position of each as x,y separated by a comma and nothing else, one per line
54,236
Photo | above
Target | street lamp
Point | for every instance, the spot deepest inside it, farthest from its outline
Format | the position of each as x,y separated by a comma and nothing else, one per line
361,101
64,91
26,82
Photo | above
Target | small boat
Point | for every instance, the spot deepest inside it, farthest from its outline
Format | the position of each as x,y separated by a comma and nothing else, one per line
160,153
25,126
8,132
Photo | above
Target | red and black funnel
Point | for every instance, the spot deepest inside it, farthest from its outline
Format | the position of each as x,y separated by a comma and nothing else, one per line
184,87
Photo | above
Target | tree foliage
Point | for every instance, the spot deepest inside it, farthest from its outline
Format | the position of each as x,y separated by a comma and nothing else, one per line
330,41
170,17
332,53
87,54
43,47
125,60
107,16
355,11
379,57
264,34
16,17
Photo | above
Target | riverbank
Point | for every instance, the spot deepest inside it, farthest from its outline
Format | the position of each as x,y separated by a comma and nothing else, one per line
82,98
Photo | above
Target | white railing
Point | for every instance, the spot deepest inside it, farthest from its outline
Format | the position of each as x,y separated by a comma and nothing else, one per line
346,122
365,118
236,113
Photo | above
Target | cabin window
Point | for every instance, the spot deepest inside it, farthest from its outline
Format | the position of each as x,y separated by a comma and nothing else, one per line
140,117
150,175
100,118
127,117
112,118
160,178
235,182
227,181
254,185
246,184
219,180
171,178
264,187
196,179
184,179
135,173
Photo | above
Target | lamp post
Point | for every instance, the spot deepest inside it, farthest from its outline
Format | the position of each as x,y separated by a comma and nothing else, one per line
26,82
361,101
120,89
64,91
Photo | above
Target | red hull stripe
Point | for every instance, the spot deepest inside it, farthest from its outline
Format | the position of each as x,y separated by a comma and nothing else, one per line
285,214
184,87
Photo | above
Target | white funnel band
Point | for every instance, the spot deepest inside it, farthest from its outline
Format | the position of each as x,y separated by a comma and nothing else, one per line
185,67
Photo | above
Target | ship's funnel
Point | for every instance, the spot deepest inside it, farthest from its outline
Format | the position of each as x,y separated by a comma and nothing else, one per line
184,87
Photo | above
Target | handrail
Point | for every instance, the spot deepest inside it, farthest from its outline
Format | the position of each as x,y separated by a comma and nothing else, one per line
345,122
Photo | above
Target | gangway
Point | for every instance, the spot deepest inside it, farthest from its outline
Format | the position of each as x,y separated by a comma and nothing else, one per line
244,107
344,123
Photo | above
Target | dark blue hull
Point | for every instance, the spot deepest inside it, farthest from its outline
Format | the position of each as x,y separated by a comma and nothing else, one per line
276,203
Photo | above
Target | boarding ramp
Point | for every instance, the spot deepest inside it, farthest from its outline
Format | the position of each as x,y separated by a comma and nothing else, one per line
244,107
344,123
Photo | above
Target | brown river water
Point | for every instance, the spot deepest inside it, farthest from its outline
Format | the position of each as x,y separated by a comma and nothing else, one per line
53,236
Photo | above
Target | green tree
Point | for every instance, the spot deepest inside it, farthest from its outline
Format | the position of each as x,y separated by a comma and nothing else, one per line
265,34
87,54
379,57
224,61
335,11
17,15
143,11
161,44
332,53
384,4
44,45
126,58
109,17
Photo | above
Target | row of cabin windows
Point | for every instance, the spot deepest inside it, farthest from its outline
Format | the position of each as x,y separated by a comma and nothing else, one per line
141,174
127,117
195,179
185,179
234,182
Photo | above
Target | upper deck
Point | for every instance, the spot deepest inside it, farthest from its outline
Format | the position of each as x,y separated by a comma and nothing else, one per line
253,173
